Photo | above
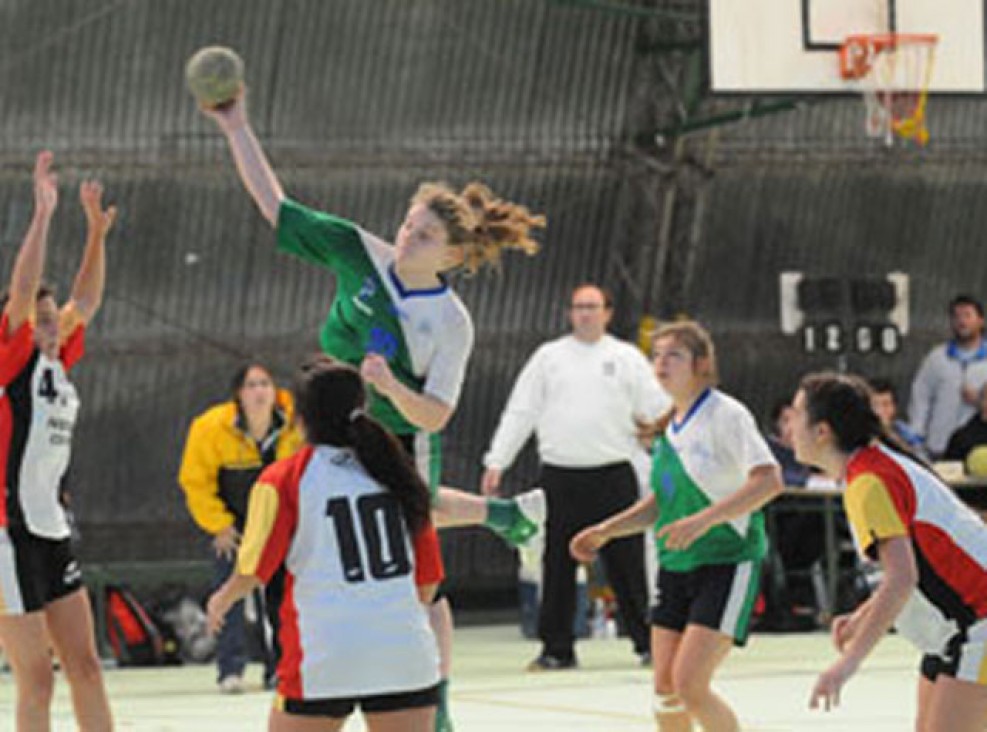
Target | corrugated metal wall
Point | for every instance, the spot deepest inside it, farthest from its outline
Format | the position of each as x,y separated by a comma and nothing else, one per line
359,100
357,103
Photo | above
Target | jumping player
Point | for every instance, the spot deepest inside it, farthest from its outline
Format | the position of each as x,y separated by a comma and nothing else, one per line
41,591
395,316
348,516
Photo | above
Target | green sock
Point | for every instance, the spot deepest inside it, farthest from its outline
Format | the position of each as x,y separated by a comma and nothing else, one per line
501,514
443,722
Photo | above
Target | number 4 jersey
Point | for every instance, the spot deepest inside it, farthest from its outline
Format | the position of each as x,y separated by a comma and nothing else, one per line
38,407
351,620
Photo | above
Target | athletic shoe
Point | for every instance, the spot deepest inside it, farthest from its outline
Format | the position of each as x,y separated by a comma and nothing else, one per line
644,658
529,518
231,684
546,662
442,721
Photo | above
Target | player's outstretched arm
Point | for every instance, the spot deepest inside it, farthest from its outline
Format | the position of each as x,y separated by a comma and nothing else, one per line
30,263
251,162
90,280
897,585
630,521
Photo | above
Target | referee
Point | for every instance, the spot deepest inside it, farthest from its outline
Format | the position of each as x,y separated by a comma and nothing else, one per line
581,394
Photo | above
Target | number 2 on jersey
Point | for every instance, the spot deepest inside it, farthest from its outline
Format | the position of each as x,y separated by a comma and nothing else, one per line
382,527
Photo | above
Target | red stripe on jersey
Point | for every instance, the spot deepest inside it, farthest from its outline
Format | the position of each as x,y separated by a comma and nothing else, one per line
285,475
290,665
961,572
429,569
900,489
15,349
15,353
73,348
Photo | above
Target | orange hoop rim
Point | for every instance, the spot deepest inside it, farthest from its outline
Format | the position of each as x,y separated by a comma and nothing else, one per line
858,50
891,111
890,39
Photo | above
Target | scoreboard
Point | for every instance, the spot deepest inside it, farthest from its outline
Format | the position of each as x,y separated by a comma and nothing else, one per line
840,315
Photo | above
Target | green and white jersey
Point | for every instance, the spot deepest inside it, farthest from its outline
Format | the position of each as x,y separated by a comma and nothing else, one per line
699,461
425,335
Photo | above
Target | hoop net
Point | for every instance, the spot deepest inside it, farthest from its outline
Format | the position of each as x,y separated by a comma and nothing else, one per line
895,70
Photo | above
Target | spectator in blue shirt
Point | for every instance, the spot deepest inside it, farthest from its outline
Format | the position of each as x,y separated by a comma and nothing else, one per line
884,402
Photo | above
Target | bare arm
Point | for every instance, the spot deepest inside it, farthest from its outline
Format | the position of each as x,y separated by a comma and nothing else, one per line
237,587
87,290
897,585
763,483
628,522
251,163
424,411
30,263
426,593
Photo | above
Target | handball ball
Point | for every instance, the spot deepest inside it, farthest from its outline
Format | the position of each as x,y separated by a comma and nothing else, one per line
976,461
215,76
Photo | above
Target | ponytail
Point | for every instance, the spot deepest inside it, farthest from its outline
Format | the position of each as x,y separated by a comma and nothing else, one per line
329,398
843,401
387,462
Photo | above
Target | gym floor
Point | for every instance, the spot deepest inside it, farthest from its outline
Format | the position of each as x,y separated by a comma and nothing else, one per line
768,684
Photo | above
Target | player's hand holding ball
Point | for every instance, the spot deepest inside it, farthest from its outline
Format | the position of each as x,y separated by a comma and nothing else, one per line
214,75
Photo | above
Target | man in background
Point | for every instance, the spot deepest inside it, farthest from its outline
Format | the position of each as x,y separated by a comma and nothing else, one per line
946,390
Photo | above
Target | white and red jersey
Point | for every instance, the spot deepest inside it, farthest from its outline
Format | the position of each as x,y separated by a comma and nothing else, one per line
38,408
351,620
887,496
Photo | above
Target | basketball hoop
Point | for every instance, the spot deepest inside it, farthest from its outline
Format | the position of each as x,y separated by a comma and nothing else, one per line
895,70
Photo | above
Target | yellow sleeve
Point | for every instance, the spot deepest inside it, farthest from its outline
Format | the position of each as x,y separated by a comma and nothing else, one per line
871,511
69,318
257,544
199,478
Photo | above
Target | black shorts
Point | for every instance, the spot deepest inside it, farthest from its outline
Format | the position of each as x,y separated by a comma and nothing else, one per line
963,658
719,596
341,707
35,571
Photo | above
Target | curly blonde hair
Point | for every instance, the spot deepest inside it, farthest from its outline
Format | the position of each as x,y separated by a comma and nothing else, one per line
481,223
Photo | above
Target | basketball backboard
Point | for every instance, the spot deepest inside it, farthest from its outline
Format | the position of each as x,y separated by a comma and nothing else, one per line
792,46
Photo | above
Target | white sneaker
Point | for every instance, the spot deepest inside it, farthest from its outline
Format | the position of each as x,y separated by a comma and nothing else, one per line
534,506
231,684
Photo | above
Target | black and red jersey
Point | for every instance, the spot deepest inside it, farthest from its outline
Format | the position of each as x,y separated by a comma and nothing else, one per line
38,408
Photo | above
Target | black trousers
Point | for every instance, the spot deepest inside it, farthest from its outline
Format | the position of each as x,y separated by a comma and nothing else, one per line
578,497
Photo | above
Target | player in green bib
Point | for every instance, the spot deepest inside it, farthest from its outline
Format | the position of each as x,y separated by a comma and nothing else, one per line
395,318
711,473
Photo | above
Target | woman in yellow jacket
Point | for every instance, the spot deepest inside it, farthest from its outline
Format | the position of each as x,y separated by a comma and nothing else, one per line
226,449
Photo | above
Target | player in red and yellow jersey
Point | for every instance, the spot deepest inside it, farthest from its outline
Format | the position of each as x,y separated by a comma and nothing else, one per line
349,517
931,547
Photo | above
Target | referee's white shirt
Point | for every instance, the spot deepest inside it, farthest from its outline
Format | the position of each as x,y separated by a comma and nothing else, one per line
581,399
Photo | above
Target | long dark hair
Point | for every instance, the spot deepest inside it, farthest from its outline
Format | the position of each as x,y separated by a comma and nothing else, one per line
843,402
240,378
330,399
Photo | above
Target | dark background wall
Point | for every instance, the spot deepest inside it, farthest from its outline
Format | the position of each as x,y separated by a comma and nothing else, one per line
553,104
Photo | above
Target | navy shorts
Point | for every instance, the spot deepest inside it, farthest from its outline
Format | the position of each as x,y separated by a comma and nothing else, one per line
718,596
341,707
35,571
